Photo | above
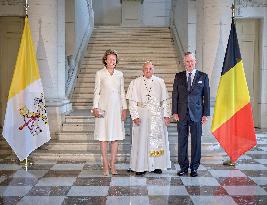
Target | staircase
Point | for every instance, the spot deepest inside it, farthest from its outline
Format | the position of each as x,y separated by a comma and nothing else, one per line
135,46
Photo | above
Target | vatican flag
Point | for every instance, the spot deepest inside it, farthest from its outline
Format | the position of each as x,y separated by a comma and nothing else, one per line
26,123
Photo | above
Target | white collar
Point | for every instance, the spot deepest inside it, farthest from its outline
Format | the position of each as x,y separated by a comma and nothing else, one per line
192,73
148,79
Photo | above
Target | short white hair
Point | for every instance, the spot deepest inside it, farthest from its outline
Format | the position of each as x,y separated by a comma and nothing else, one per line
189,53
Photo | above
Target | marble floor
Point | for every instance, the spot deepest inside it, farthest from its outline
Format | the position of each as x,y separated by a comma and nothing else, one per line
79,182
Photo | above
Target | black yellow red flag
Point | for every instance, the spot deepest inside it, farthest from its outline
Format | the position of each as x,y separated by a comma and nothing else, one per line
233,124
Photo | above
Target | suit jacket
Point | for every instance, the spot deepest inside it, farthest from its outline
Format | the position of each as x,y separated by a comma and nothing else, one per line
196,101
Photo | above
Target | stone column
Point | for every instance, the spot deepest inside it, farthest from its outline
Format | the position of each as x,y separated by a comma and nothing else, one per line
257,9
213,28
47,20
263,74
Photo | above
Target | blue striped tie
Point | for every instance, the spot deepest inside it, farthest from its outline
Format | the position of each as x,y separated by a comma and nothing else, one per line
189,82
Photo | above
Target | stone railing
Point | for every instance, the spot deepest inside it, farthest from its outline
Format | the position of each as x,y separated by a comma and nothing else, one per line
175,34
72,61
142,1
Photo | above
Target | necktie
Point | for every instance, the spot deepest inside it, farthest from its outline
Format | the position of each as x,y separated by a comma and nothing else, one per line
189,80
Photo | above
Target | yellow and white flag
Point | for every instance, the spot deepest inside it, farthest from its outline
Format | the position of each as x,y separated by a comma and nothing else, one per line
26,123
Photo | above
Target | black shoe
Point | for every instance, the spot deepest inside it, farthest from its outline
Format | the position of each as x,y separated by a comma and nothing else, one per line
182,172
193,173
139,173
129,170
157,171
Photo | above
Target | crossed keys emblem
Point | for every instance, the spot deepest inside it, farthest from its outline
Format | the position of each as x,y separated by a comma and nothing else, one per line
31,118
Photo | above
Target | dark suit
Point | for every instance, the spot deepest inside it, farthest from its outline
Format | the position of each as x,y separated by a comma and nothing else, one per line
190,107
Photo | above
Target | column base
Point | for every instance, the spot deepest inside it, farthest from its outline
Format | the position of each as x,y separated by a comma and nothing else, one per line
263,113
57,109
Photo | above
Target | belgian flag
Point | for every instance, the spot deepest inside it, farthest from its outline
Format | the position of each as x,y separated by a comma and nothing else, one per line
233,124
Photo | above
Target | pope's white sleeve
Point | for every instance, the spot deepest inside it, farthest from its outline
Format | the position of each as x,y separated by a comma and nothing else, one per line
165,100
131,96
166,108
133,109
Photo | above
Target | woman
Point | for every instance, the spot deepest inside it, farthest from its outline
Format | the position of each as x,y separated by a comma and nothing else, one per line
109,109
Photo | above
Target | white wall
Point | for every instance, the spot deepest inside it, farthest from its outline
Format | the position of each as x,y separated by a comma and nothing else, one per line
180,22
192,21
70,26
12,8
260,13
152,12
156,12
185,23
107,12
82,21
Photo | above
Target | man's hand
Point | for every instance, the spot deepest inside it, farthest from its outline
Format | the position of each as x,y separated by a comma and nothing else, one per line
176,117
204,119
137,121
167,121
123,115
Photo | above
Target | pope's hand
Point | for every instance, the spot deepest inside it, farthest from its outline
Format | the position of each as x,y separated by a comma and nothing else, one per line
96,112
123,115
137,121
167,121
176,117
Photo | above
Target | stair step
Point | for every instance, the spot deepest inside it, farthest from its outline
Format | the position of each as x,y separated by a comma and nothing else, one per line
85,82
74,155
137,61
77,127
88,135
130,52
131,67
81,145
90,77
79,120
122,156
123,49
83,127
82,106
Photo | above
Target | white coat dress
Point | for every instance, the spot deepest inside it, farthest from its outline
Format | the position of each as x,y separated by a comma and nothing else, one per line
109,95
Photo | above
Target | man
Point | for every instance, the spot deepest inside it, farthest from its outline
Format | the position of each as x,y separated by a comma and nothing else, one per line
190,108
150,112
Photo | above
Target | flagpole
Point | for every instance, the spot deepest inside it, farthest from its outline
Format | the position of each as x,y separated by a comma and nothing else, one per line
26,164
233,10
229,162
26,7
26,12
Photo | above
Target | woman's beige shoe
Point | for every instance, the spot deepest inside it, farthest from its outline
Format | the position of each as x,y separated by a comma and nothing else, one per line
106,172
113,169
106,168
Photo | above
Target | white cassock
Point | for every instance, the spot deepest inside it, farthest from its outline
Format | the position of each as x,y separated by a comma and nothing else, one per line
109,95
148,101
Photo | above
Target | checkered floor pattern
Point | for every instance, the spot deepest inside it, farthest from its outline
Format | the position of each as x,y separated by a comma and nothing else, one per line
61,182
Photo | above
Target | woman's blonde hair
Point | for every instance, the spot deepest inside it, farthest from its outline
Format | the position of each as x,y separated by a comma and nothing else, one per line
109,52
